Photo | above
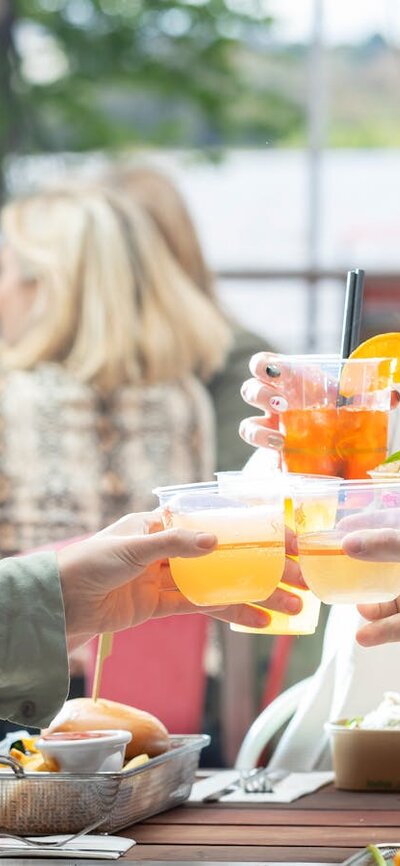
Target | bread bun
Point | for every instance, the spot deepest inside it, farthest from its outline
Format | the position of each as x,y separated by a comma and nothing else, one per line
149,735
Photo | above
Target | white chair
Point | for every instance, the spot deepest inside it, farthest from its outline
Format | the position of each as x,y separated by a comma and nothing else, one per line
268,723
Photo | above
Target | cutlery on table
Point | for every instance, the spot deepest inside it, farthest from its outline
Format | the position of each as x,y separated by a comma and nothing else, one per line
258,780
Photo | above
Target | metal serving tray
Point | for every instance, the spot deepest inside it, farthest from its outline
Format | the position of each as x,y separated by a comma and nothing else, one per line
49,803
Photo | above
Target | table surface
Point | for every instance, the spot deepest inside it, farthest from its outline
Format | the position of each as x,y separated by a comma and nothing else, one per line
325,827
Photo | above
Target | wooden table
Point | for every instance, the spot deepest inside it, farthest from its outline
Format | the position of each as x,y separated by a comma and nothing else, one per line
325,827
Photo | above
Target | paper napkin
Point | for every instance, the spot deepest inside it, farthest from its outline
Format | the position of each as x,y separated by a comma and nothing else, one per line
213,785
85,847
290,788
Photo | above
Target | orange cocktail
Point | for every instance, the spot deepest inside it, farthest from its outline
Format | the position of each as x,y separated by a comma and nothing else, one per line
346,441
250,557
338,413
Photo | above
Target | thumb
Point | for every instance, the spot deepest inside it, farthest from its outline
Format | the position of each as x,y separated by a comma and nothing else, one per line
143,550
373,545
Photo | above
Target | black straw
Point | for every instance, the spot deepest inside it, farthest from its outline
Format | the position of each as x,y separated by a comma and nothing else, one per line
352,312
351,319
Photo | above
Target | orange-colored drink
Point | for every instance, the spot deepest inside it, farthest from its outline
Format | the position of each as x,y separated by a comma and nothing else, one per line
250,557
247,564
236,572
336,422
346,441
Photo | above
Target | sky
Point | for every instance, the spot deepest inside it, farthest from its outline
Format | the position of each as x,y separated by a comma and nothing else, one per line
344,20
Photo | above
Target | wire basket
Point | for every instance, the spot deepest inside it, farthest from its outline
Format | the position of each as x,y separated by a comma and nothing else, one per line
48,803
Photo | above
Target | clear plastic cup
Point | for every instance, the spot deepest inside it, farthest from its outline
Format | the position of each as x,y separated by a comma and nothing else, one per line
319,514
337,418
250,557
333,576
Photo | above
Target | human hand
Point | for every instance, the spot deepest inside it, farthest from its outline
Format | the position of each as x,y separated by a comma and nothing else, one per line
377,545
121,577
277,385
282,599
264,391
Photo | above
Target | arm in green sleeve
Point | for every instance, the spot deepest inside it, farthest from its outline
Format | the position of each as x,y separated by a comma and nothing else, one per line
33,651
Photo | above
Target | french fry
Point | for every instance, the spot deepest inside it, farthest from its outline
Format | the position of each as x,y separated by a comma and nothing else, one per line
138,761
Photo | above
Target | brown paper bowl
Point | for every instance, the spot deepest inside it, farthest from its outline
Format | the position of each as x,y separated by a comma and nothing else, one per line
363,759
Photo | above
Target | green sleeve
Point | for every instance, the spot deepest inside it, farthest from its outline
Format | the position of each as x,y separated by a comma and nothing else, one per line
224,388
33,652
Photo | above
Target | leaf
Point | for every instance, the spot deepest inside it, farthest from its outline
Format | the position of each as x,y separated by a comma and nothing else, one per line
160,72
353,723
392,458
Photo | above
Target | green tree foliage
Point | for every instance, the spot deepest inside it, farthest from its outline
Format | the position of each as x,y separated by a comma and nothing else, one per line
159,72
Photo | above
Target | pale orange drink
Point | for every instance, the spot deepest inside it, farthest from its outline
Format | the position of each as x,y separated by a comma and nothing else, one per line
250,557
340,579
318,514
333,575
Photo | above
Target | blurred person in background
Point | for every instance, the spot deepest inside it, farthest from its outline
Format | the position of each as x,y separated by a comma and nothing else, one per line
101,367
102,361
160,198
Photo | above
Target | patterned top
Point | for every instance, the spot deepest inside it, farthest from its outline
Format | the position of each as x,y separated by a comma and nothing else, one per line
71,461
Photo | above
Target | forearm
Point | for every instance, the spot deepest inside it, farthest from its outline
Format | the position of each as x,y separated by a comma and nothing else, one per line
33,653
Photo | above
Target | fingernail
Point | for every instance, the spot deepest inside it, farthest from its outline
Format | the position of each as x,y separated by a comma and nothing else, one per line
273,371
280,404
259,619
294,604
275,441
205,540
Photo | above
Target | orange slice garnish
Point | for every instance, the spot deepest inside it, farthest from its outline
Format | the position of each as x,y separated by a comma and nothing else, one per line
359,378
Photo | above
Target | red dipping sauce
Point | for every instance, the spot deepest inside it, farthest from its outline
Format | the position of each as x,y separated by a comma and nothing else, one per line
77,735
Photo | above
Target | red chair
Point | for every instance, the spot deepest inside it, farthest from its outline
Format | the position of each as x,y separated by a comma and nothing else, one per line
159,667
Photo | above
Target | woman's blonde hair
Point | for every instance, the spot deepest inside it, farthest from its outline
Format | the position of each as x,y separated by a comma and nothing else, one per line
160,198
112,305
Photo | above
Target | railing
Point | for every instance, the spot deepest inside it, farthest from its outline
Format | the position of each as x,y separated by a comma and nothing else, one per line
381,302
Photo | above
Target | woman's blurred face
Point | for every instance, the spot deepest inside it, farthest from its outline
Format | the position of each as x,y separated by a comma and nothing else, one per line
17,295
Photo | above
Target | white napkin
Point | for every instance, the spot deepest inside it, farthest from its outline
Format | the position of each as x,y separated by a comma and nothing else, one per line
290,788
293,786
213,785
85,847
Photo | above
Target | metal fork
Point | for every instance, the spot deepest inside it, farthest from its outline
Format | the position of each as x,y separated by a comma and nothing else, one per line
258,780
261,780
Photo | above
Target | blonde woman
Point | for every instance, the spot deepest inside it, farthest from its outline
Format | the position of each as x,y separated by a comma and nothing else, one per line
105,343
161,199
